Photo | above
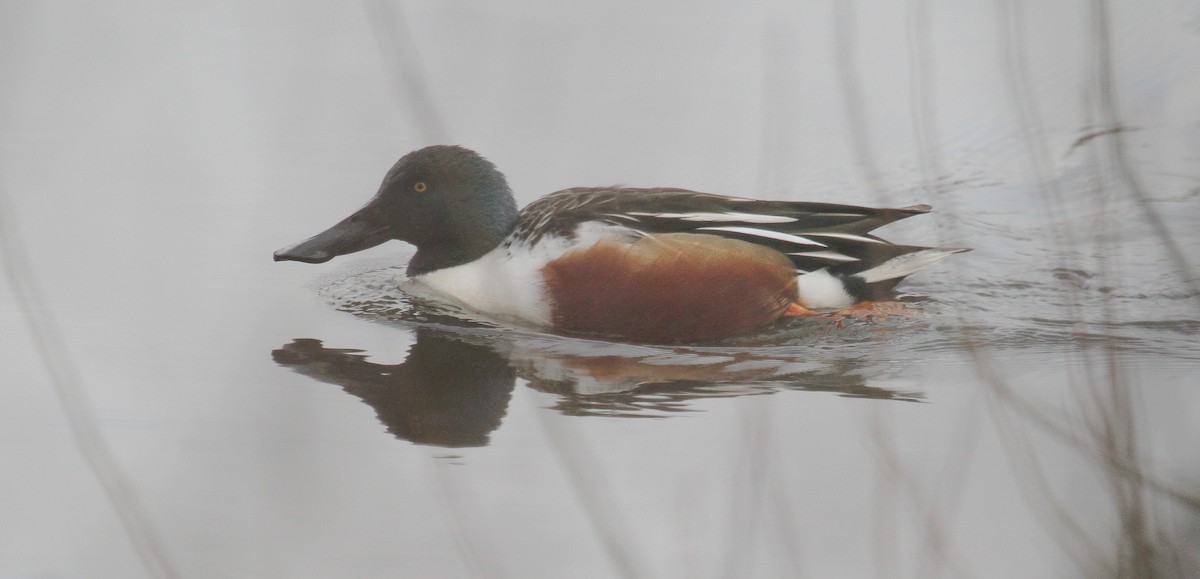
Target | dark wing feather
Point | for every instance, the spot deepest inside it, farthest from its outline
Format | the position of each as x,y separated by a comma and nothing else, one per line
812,235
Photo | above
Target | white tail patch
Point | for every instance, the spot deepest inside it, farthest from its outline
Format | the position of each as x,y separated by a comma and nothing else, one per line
727,216
767,234
820,290
906,264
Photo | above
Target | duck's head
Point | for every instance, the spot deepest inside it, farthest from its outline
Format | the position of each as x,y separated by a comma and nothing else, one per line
449,202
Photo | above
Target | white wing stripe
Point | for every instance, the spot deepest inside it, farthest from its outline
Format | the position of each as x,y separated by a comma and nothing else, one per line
728,216
830,255
848,236
766,233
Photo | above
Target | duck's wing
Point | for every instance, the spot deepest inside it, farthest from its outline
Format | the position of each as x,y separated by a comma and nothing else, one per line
812,235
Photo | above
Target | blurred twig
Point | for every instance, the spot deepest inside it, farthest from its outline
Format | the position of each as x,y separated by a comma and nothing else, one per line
756,495
1105,106
1105,397
591,487
73,396
403,64
923,102
851,90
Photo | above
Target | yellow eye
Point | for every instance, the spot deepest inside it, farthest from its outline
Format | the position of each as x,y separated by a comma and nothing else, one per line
420,187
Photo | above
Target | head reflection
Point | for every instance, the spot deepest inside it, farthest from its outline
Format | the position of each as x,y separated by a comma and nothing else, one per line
453,389
447,392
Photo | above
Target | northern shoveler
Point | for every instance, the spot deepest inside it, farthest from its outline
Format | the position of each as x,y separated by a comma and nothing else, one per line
648,265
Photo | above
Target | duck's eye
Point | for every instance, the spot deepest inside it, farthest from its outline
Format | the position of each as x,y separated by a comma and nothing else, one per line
420,187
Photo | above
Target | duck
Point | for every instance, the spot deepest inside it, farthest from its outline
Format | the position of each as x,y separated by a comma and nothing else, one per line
650,265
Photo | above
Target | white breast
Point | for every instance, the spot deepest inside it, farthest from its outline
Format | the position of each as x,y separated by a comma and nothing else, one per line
507,282
501,283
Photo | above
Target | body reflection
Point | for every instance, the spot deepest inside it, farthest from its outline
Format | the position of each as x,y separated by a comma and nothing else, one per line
638,388
453,388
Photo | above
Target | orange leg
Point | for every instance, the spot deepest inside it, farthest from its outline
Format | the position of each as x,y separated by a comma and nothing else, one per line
795,310
861,310
873,310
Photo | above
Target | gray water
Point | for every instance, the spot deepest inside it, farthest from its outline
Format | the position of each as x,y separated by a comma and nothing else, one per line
173,403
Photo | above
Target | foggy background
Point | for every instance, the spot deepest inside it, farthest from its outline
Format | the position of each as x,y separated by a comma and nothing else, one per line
1038,419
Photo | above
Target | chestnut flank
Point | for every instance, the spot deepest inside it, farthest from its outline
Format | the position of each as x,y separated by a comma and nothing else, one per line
677,287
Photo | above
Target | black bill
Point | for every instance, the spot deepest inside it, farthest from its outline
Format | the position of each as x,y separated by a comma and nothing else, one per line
360,231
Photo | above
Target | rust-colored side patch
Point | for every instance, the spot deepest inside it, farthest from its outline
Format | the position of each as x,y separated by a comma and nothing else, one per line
678,287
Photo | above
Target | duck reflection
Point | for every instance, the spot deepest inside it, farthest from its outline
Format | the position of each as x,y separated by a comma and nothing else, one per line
453,388
447,392
653,389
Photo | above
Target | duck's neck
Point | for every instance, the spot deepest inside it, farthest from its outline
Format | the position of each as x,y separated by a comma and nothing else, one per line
443,255
476,231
